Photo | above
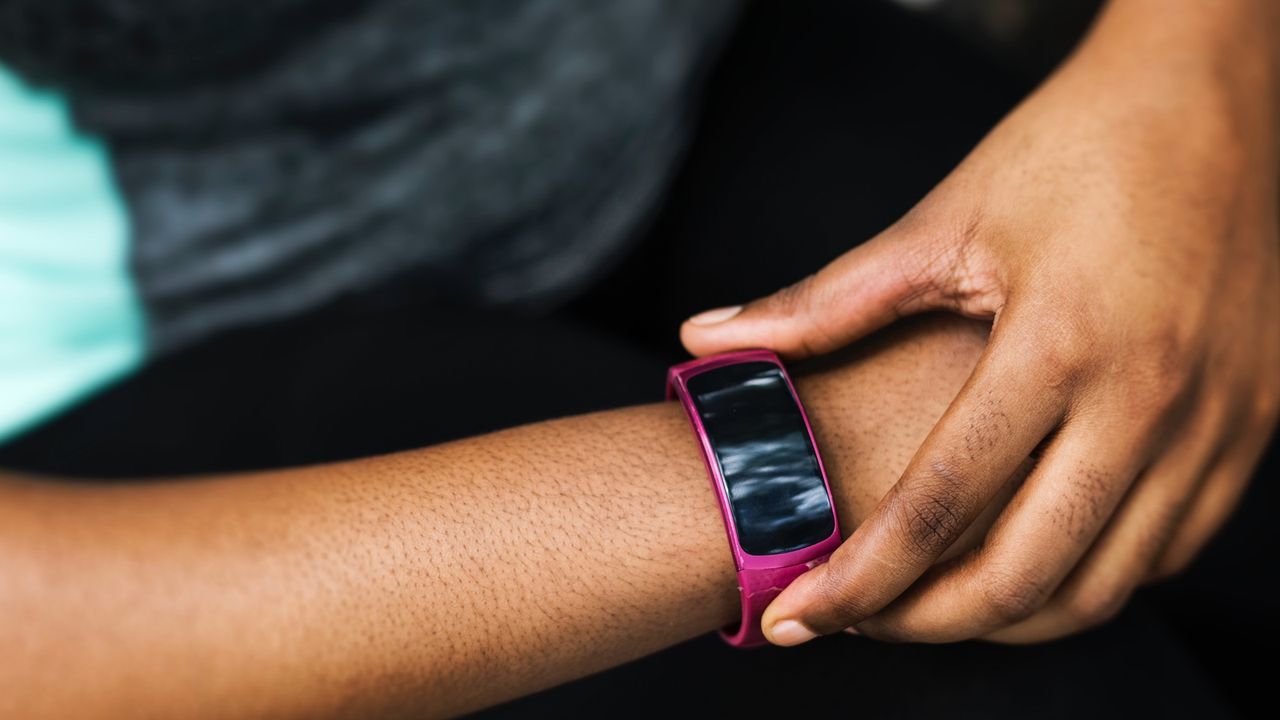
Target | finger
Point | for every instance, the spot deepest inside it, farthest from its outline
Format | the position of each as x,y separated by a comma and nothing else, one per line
999,417
1214,503
1037,541
1125,552
892,275
1212,506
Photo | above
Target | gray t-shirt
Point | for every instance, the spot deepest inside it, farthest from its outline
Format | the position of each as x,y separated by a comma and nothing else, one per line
502,152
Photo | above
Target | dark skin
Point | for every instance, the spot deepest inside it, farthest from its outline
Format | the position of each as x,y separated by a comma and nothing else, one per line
443,580
425,583
1120,230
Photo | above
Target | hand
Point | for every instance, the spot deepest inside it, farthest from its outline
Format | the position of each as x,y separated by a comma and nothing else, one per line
871,406
1120,231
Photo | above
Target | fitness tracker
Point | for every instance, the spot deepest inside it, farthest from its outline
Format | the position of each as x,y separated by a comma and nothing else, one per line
766,471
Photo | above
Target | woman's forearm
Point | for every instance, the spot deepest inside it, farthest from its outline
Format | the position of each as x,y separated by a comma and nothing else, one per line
429,582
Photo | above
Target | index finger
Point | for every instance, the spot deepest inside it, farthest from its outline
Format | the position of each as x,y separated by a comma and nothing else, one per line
1010,403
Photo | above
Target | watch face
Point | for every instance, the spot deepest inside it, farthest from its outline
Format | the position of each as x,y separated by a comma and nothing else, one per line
771,473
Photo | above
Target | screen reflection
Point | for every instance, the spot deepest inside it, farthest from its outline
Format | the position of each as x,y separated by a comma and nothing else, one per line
774,485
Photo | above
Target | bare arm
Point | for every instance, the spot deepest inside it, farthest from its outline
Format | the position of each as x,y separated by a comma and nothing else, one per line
429,582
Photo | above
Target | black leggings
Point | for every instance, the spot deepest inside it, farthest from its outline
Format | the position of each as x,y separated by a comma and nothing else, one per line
822,124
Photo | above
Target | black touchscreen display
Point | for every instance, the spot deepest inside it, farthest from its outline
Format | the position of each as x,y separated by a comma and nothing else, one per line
774,485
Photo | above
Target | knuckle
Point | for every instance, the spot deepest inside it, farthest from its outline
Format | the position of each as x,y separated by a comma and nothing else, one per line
1012,596
1164,372
844,607
1149,399
1166,391
931,515
1057,359
1168,353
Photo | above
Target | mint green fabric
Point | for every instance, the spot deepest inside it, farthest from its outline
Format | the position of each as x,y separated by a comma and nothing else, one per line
70,318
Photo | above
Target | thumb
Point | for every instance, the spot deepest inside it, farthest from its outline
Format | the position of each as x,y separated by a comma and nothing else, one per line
857,293
785,621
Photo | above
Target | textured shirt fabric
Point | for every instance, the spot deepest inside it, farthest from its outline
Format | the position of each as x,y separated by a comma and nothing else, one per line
495,152
503,152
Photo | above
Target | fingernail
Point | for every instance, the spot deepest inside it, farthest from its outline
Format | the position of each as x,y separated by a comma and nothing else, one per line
790,632
719,315
852,631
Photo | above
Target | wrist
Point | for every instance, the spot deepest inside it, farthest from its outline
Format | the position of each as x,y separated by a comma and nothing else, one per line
829,410
1195,62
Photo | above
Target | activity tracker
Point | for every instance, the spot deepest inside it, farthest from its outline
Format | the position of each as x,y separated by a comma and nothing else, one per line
766,471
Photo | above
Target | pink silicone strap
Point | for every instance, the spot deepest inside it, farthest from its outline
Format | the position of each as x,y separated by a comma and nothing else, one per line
758,588
760,578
